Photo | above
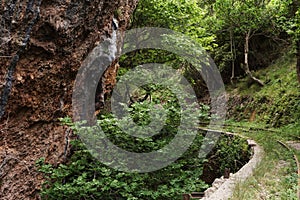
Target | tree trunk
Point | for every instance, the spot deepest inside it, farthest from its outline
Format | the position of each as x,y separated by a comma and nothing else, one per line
246,64
298,59
233,56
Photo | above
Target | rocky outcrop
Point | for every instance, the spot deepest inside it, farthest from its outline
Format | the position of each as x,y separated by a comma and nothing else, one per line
65,32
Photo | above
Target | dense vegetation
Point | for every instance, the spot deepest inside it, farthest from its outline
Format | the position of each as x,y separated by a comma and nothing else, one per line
241,36
268,115
84,177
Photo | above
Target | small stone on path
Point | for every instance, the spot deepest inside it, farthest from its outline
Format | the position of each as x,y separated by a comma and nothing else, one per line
294,144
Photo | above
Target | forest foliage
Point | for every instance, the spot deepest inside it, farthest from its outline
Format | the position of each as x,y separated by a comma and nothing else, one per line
223,26
84,177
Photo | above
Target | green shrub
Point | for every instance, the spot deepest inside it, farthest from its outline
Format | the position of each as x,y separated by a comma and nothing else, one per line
84,177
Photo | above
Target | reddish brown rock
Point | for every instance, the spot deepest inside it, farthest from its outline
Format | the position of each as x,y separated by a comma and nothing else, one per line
42,91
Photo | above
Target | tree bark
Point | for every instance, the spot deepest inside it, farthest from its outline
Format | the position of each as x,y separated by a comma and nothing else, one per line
298,59
246,66
233,56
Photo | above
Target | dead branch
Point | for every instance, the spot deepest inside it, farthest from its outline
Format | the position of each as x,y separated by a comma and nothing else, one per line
68,131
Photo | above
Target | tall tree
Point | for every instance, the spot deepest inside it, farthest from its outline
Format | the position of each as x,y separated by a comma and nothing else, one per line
297,41
180,15
244,19
290,22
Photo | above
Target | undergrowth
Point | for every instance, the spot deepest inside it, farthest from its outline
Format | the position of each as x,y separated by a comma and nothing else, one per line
268,115
276,104
84,177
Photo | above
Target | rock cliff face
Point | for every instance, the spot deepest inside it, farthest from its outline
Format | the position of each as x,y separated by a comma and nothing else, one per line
62,36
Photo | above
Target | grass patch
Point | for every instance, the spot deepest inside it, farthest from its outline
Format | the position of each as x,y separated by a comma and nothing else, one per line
276,104
276,176
267,115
